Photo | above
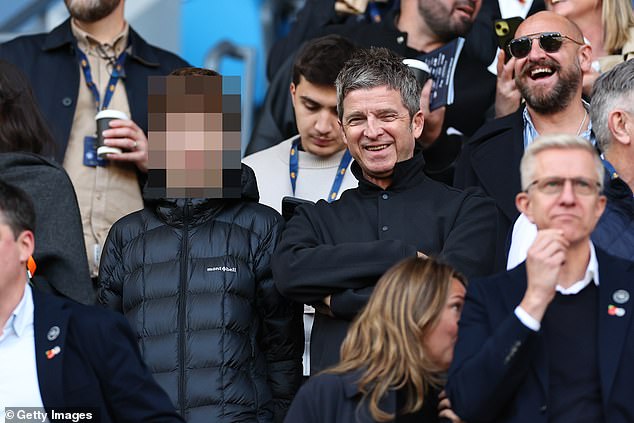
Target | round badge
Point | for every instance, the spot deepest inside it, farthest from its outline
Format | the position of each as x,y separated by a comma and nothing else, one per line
53,333
621,296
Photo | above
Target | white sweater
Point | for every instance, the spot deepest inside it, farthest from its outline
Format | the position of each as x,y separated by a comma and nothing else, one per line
314,178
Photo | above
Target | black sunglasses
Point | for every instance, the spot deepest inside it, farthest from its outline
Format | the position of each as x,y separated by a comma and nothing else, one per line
550,42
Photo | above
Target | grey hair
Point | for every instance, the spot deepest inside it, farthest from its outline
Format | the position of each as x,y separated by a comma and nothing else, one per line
556,142
377,67
612,90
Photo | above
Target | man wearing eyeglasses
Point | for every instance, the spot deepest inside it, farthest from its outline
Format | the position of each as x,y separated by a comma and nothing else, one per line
612,113
551,340
549,59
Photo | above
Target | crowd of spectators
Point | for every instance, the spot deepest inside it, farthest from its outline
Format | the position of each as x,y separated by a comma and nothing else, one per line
165,279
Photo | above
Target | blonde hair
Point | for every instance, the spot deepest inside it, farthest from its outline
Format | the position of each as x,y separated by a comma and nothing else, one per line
617,18
385,342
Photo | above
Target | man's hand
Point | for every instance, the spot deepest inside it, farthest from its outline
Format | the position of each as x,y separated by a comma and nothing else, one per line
324,307
544,261
507,96
433,120
126,135
421,255
444,409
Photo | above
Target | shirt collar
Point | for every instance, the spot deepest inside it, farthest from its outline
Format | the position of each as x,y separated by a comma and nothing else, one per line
22,316
87,42
592,274
530,132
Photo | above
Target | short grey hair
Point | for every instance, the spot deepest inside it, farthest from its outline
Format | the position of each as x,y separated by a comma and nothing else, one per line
612,90
377,67
556,142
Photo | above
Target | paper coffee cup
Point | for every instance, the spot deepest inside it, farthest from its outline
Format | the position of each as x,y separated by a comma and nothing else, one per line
103,119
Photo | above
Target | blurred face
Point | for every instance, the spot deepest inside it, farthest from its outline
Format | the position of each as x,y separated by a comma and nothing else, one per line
449,18
379,132
91,10
316,116
440,340
549,82
570,210
574,8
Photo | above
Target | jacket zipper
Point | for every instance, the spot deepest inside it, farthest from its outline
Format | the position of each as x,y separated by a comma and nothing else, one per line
182,305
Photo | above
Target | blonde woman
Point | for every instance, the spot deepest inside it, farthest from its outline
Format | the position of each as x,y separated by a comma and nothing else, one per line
395,354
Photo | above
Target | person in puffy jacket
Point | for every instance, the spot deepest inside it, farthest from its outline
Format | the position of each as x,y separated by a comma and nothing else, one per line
191,271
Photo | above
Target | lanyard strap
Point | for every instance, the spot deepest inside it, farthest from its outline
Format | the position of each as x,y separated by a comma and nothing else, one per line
293,165
112,83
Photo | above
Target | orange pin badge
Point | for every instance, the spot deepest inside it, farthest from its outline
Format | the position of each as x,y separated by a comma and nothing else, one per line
53,352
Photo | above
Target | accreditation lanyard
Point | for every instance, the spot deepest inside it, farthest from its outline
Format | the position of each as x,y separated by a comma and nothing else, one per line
293,165
112,84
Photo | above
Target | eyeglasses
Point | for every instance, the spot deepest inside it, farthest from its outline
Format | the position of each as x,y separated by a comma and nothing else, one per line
550,42
555,185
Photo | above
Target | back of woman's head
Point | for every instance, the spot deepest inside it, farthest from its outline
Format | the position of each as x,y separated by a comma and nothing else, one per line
22,127
385,342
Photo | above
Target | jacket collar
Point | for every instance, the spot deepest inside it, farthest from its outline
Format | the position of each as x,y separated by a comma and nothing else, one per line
140,50
50,325
406,174
615,275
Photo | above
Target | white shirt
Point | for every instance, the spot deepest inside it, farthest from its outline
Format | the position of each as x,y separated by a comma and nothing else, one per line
19,385
592,274
314,178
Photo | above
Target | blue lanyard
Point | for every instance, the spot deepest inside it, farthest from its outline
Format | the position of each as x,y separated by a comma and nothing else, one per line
112,83
611,170
293,165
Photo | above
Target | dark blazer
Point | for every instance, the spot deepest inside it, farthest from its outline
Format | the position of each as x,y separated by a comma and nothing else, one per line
51,65
491,160
500,369
98,364
334,398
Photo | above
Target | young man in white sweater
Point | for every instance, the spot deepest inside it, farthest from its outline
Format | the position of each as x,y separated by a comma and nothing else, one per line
314,164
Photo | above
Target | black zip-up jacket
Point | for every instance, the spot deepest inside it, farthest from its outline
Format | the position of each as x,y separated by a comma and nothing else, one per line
342,248
193,278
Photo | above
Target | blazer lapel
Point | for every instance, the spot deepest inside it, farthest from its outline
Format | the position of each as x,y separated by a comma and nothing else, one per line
496,162
613,325
50,324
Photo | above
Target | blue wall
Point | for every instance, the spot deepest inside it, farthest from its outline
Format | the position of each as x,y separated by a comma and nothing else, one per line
207,22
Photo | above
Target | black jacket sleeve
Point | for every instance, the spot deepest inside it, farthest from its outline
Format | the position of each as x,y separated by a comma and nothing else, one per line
282,340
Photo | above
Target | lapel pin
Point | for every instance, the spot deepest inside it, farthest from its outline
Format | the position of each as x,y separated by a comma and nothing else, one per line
53,352
621,296
616,311
53,333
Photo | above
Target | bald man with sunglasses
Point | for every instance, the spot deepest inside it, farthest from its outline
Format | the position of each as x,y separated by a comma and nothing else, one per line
548,60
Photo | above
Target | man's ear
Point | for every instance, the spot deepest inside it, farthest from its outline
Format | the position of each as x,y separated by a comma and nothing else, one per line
418,122
585,58
343,132
293,90
522,202
26,244
620,125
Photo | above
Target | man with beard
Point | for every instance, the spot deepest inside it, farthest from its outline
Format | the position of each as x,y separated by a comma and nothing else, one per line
94,61
550,58
417,27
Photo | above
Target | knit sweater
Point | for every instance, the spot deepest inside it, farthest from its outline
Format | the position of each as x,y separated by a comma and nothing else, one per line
314,178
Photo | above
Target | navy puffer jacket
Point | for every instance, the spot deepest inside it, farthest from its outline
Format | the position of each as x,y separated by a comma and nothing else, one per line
194,280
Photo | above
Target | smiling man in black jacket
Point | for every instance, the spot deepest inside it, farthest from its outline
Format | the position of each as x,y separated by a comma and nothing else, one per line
332,254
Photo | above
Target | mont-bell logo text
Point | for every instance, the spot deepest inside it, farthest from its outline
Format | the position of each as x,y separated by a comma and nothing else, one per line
222,269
